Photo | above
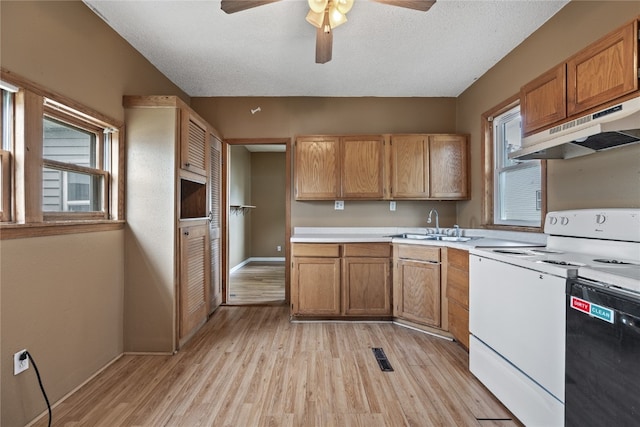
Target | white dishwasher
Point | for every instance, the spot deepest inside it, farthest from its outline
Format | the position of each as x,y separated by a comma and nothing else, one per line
517,336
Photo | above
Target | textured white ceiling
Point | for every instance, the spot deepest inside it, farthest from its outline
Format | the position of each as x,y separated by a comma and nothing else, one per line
381,51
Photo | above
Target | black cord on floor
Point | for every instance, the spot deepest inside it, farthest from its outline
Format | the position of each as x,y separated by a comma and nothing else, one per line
46,399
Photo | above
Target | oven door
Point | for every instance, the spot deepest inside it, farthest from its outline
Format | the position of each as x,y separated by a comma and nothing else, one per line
602,356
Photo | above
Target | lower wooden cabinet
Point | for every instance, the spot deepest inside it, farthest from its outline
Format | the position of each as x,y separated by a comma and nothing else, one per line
417,295
194,278
366,286
458,294
316,289
335,280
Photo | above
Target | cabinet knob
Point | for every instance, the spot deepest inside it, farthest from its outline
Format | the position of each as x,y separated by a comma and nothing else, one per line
187,164
186,233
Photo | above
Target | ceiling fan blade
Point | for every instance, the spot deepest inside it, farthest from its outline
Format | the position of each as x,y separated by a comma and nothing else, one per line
233,6
421,5
324,46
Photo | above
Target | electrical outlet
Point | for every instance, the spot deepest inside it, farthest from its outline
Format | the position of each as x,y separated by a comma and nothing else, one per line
392,206
279,248
20,365
339,206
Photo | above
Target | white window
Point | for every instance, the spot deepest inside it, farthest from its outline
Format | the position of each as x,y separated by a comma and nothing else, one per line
517,185
74,155
61,164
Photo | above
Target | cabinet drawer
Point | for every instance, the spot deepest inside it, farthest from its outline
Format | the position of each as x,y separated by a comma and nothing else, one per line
459,323
316,250
458,258
419,253
379,250
458,286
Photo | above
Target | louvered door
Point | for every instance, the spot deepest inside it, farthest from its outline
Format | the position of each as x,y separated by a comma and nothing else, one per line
193,144
194,278
215,198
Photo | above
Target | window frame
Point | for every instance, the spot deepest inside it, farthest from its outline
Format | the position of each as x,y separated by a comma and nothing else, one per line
63,116
488,168
5,207
32,103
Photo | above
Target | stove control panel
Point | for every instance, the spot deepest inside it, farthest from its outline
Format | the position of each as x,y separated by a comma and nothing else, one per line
609,224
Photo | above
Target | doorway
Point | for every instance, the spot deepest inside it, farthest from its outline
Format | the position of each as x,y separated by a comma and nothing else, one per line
256,224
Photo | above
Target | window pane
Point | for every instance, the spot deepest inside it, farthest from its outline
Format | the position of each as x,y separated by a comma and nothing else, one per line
519,198
65,191
68,144
517,186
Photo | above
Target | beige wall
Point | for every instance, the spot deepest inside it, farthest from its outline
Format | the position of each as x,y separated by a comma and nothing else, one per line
61,297
268,181
606,179
287,117
239,194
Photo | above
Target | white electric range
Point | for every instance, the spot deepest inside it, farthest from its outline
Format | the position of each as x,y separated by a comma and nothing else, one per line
518,306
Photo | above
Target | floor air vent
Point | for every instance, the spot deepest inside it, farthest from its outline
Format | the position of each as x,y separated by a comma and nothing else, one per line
382,360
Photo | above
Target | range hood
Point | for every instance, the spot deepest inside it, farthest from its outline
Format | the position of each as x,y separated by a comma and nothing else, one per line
612,127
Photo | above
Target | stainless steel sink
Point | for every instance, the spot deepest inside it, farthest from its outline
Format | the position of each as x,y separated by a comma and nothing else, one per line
444,238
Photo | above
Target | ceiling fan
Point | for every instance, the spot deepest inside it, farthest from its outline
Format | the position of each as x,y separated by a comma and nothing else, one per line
325,15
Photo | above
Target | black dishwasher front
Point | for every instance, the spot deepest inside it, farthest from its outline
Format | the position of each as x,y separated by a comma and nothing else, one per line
602,372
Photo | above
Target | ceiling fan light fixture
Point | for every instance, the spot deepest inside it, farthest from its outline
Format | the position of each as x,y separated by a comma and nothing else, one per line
336,18
343,6
315,18
318,6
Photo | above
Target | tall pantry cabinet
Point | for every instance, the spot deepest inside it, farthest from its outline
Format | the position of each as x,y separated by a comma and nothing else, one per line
172,238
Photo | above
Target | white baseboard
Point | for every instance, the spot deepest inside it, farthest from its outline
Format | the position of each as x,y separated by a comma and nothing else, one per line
256,259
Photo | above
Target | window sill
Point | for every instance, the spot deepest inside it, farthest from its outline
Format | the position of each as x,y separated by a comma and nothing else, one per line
54,228
513,228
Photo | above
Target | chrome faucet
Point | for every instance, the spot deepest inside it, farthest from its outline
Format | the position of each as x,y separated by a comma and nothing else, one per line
437,220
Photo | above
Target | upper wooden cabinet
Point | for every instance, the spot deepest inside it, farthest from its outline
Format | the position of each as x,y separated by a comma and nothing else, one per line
543,101
317,167
604,71
334,167
594,77
429,167
362,167
415,167
410,166
193,143
448,167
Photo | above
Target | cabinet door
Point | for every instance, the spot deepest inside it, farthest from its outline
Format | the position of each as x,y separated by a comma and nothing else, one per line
317,169
604,71
448,165
418,295
543,101
409,167
193,144
215,199
362,167
315,286
194,278
366,286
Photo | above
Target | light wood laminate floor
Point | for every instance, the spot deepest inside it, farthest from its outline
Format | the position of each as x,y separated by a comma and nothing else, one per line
250,366
257,283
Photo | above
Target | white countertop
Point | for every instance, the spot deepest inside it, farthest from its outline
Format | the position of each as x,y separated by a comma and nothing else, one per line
482,237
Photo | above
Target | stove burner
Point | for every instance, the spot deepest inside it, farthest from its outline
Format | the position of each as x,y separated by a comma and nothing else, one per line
510,252
546,251
613,261
567,263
